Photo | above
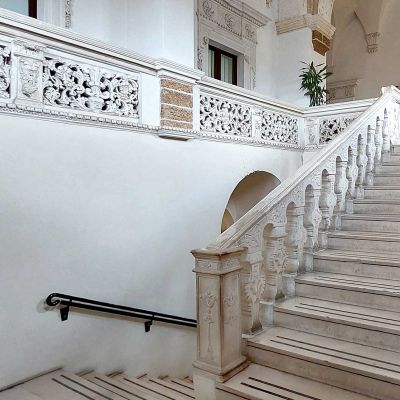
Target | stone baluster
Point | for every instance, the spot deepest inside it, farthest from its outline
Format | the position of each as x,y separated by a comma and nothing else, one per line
386,133
351,174
294,232
361,167
274,264
369,177
326,204
312,220
219,327
378,144
340,191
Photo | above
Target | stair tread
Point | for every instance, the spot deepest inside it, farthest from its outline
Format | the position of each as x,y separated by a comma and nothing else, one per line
181,382
366,235
390,174
263,383
356,358
153,388
377,201
372,217
171,385
343,313
363,256
387,287
18,393
382,187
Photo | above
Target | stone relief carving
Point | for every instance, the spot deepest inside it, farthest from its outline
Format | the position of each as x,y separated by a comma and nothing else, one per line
68,13
332,127
279,128
230,305
29,70
208,301
225,117
78,86
5,72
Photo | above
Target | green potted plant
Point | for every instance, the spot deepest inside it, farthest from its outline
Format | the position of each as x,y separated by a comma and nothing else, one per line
313,82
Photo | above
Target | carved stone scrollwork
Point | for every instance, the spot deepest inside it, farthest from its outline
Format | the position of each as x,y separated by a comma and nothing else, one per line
332,127
77,86
279,128
224,117
5,72
208,301
68,13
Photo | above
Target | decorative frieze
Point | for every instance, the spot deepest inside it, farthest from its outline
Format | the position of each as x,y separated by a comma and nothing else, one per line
88,88
342,90
68,13
5,72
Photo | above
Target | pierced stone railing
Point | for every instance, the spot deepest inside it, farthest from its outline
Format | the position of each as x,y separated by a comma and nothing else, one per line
275,241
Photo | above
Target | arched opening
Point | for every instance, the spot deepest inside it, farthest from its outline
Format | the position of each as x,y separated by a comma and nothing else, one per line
249,191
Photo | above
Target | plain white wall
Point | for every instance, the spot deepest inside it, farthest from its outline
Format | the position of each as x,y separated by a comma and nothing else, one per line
109,215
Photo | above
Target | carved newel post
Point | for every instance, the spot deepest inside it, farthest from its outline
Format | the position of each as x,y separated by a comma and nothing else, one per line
275,258
219,329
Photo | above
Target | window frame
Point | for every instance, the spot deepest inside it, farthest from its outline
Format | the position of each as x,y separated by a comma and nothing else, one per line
217,63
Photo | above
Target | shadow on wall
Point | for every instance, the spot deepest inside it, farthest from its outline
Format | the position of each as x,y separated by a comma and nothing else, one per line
249,191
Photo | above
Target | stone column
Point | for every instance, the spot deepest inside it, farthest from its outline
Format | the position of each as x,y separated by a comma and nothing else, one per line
219,329
378,144
369,174
351,175
326,205
340,191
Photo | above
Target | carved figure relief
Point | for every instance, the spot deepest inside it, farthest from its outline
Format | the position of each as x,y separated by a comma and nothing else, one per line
5,72
29,70
82,87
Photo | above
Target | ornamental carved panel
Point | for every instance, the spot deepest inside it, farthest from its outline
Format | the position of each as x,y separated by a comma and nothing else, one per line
279,128
331,127
224,117
5,72
67,84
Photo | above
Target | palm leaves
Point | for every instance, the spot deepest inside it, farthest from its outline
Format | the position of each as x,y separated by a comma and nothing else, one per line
312,81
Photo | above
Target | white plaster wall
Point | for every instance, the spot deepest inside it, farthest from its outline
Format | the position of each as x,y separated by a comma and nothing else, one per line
109,215
351,60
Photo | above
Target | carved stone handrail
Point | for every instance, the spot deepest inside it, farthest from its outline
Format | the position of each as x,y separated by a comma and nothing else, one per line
281,233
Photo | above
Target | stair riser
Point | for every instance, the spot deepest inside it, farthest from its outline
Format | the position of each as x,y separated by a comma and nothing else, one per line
391,157
357,268
381,194
395,150
389,169
323,373
370,225
387,180
363,245
376,208
338,330
348,296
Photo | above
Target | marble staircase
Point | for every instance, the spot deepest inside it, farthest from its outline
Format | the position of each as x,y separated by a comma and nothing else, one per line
339,337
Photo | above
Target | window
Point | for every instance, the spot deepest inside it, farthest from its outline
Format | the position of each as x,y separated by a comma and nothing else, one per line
222,65
25,7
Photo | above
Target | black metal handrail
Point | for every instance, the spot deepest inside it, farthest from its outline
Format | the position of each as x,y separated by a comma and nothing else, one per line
65,302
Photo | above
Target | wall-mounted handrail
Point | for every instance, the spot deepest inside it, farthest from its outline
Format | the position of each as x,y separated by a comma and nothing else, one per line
65,302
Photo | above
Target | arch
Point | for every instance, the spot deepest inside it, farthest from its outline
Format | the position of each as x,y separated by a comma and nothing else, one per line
247,193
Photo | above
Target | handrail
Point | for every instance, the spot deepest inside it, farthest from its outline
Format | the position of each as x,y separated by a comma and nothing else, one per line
67,301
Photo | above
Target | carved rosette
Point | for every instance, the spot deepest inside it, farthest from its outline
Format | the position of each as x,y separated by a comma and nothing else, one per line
87,88
224,117
279,128
5,72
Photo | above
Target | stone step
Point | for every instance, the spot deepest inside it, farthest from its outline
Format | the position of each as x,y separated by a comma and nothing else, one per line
18,393
173,386
389,167
258,382
156,389
395,149
121,389
62,385
362,325
371,222
387,178
361,369
362,240
360,263
181,382
372,292
377,206
382,192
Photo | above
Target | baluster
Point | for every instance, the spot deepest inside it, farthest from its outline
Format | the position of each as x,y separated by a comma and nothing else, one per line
312,220
275,261
340,191
386,133
326,204
361,165
293,229
219,327
378,144
351,174
369,178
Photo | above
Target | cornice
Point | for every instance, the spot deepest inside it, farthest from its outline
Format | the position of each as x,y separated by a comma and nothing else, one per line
341,84
314,22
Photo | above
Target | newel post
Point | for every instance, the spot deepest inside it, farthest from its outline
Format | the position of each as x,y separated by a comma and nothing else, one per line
219,325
